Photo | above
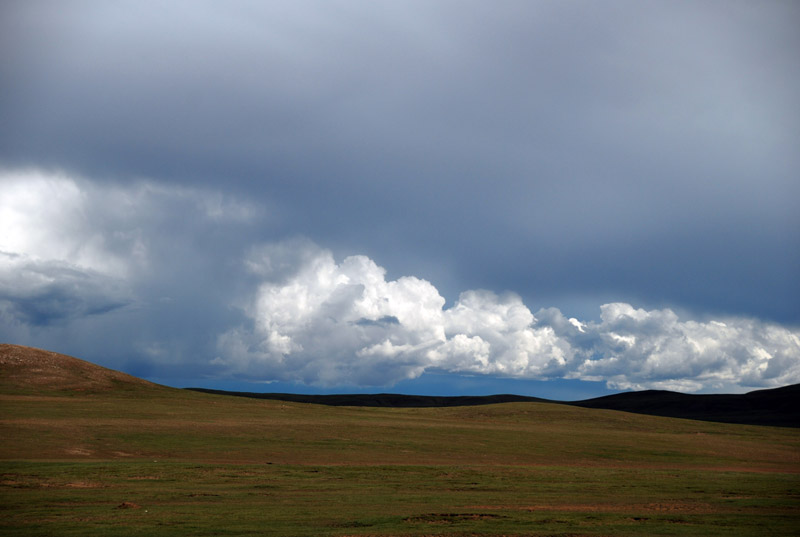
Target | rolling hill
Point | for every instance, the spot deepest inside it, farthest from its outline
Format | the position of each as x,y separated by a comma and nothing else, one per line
28,370
31,370
779,407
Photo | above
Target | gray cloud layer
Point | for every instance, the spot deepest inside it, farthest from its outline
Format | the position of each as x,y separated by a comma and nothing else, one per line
114,272
580,154
571,151
288,311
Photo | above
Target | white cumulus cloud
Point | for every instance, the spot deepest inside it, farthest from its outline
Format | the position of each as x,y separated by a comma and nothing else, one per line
634,348
344,323
47,217
327,323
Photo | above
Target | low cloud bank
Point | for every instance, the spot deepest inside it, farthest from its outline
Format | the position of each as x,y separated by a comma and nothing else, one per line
75,255
70,247
321,322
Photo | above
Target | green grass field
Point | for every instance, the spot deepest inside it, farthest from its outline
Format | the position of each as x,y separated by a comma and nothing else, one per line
157,461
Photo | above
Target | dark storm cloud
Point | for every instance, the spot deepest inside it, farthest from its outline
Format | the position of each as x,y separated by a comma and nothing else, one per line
575,153
42,293
645,150
140,270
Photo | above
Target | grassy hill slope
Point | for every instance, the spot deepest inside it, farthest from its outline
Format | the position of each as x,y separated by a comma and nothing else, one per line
36,371
86,442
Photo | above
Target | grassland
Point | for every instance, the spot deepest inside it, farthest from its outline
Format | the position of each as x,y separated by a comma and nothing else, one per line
148,460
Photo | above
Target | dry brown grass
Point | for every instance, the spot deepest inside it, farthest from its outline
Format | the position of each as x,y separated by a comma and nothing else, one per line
26,370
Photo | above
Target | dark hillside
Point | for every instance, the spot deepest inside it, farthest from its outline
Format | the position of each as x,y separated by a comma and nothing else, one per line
777,407
394,400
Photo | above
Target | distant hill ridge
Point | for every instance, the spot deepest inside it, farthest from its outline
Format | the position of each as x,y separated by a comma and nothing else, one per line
776,407
26,370
383,399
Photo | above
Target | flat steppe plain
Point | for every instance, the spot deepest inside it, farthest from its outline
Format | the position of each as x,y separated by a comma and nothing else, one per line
88,451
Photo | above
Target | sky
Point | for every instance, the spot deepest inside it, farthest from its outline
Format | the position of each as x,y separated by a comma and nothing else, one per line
554,198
